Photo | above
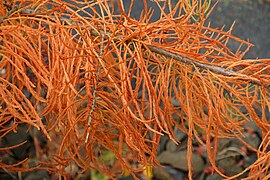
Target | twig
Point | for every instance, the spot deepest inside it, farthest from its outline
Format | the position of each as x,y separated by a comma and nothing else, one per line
158,50
8,14
185,60
95,90
9,173
215,69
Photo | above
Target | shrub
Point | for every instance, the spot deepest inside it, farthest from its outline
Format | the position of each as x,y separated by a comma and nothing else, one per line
91,78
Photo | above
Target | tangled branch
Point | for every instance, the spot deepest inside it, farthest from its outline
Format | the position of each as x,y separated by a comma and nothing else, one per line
101,81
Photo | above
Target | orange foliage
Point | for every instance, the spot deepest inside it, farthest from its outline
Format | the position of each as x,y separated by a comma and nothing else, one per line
100,80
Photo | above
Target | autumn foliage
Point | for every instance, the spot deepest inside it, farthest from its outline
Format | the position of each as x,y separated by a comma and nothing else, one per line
98,80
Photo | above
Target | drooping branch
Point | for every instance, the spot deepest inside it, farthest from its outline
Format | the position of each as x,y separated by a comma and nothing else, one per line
158,50
215,69
125,97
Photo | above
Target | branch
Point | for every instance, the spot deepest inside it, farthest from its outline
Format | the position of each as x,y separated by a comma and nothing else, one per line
161,51
215,69
8,14
95,90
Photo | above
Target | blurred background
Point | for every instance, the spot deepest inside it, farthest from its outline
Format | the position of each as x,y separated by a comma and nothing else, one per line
252,21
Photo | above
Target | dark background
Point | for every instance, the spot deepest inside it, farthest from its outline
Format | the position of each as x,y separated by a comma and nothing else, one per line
252,22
